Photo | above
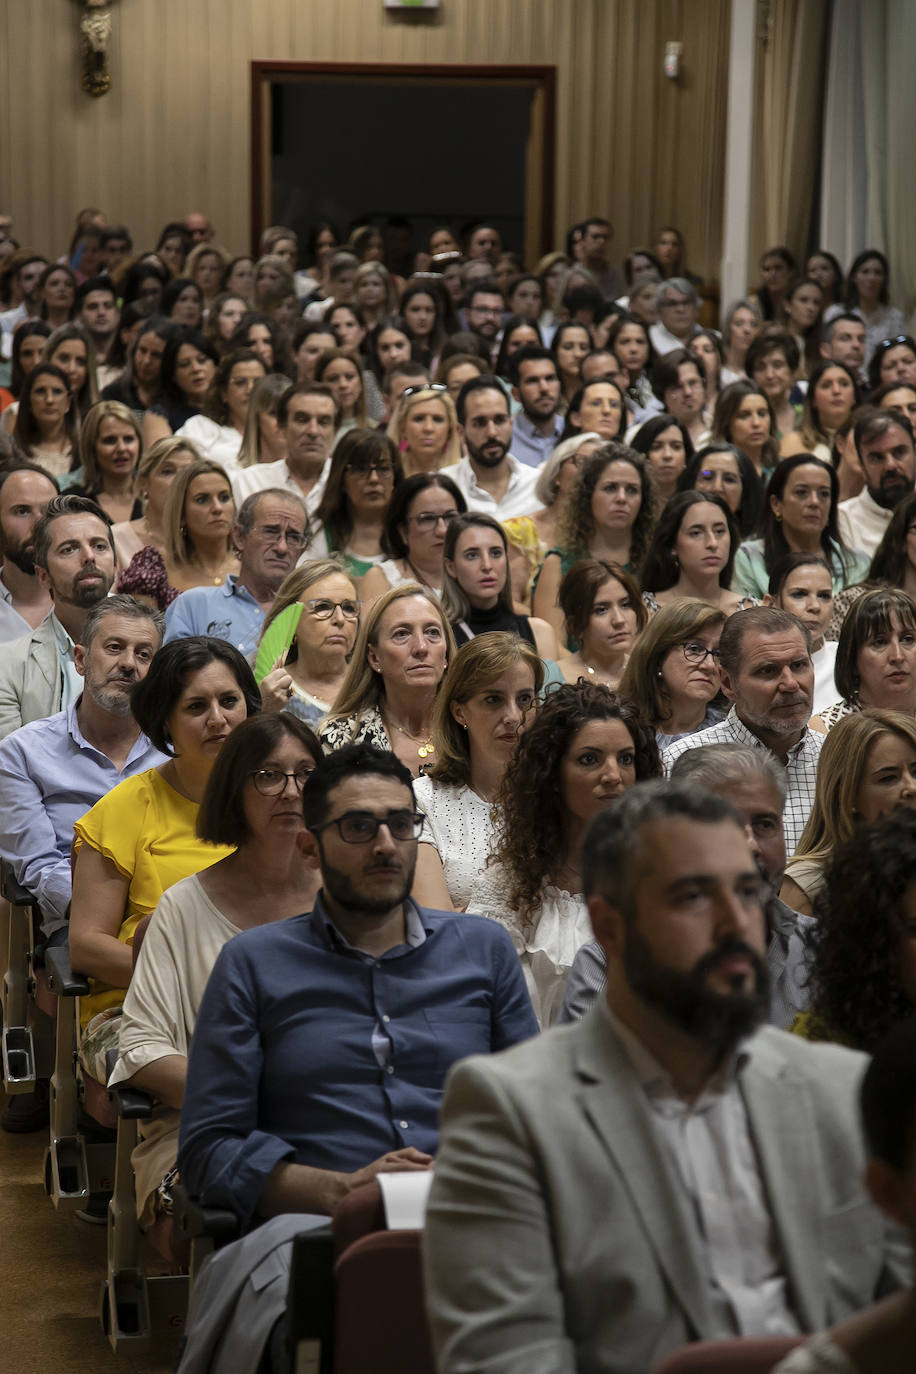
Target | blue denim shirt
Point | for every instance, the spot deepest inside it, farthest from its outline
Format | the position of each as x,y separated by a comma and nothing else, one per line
226,612
285,1061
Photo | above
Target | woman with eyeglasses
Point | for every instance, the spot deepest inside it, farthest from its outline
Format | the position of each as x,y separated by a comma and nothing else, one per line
425,428
312,672
604,614
419,513
672,676
488,698
253,801
350,519
725,471
390,689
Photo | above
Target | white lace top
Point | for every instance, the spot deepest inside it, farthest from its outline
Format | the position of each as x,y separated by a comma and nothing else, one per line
461,827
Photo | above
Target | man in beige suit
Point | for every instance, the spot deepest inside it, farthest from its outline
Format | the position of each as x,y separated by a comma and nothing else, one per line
75,560
662,1171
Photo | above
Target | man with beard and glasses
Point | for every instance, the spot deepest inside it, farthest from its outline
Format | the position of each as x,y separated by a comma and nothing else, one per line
490,479
53,771
755,784
884,446
665,1170
323,1042
25,491
767,674
74,557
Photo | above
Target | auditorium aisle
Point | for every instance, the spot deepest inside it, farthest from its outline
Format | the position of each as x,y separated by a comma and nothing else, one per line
51,1266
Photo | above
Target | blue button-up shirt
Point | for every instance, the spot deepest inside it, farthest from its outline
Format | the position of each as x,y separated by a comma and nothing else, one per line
50,776
226,612
285,1062
529,445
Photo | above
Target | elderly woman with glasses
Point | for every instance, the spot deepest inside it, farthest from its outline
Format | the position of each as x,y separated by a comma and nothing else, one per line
350,519
308,677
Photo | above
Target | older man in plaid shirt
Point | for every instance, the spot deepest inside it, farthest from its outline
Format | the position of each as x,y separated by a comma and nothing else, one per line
767,674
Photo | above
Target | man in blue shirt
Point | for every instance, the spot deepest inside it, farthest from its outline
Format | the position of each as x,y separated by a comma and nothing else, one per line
53,770
537,427
323,1042
270,534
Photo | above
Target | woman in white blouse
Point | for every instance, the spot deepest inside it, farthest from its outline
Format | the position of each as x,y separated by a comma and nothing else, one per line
253,800
217,432
484,705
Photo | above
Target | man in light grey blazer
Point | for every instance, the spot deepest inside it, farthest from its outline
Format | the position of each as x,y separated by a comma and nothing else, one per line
662,1171
75,560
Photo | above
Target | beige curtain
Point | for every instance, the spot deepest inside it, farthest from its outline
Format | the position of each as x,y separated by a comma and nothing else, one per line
787,132
899,120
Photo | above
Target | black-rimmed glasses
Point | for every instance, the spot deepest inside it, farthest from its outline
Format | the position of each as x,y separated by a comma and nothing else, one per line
323,610
367,469
361,827
698,653
270,782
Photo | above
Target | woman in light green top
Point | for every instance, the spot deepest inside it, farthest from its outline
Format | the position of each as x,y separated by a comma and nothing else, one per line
800,516
351,517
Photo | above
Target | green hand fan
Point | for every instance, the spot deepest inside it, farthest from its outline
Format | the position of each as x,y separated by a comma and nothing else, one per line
277,640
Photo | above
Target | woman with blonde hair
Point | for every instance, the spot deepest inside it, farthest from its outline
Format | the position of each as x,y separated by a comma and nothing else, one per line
312,672
425,428
263,440
110,451
205,265
487,698
866,769
158,467
672,675
388,694
199,514
374,293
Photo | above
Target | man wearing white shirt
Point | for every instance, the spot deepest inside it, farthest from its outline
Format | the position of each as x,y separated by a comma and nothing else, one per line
677,303
489,478
884,445
25,491
308,415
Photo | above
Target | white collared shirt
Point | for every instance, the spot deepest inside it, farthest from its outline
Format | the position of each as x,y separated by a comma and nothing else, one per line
863,523
709,1146
260,476
518,499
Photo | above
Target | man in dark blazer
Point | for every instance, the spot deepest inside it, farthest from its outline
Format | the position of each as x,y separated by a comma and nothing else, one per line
664,1170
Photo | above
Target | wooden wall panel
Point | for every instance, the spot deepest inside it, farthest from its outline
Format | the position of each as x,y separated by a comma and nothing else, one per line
173,134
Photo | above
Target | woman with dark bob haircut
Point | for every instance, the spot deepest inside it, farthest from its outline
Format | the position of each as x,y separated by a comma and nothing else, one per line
365,471
142,836
413,537
253,800
189,362
582,751
862,968
875,658
693,554
800,517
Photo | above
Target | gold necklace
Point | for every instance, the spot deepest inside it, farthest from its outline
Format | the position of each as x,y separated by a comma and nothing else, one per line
425,747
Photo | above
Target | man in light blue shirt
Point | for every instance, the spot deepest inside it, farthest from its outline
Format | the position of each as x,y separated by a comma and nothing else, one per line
53,770
270,534
537,427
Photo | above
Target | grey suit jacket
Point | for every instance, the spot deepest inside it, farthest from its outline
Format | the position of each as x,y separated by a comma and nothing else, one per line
30,678
559,1239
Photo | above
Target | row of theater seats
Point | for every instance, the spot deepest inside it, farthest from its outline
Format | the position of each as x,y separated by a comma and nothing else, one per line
356,1289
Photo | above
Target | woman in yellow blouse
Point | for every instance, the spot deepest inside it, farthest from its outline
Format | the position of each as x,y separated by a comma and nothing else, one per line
141,837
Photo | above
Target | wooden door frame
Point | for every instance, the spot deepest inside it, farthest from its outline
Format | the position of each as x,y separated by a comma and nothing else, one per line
539,192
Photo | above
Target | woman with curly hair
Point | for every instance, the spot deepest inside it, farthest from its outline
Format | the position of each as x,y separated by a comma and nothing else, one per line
609,514
867,768
487,701
582,751
862,970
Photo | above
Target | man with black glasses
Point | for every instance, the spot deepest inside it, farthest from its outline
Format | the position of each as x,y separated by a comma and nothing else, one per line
270,535
323,1042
